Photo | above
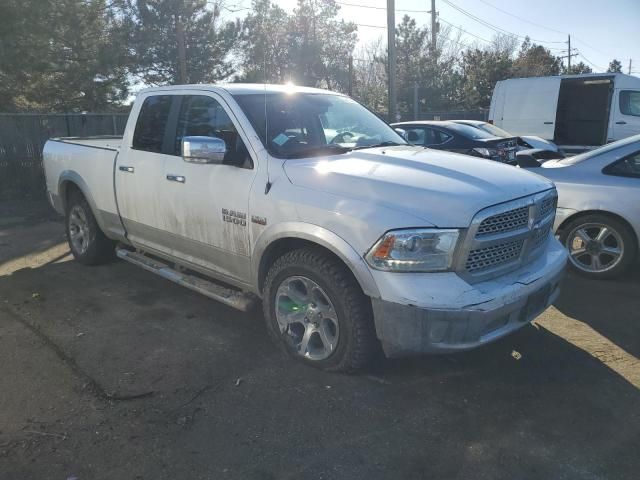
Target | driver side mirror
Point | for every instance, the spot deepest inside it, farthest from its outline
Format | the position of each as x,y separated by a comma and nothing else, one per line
203,149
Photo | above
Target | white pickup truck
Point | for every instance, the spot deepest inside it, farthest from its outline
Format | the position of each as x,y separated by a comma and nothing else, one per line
352,238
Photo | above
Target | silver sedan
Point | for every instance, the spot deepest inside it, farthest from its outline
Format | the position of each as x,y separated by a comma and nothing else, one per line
598,217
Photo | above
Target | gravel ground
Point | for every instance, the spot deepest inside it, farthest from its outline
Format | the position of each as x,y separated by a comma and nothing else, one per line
112,373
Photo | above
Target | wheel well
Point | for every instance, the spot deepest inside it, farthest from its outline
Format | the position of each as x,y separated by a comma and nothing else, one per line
69,188
283,245
599,212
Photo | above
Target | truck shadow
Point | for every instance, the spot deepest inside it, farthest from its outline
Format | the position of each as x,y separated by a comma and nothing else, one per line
528,402
609,306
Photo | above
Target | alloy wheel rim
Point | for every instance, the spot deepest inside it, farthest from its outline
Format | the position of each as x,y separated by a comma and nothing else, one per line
595,247
78,229
306,318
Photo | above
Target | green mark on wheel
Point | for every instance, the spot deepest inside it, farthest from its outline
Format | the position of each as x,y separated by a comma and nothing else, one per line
288,305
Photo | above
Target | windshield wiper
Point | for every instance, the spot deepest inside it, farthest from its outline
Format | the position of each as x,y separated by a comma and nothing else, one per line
330,148
381,144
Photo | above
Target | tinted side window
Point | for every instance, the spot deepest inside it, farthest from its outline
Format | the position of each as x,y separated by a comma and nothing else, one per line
435,137
630,102
444,137
415,135
151,123
204,117
627,167
432,137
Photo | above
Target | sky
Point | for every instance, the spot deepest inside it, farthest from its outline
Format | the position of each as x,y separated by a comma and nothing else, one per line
600,30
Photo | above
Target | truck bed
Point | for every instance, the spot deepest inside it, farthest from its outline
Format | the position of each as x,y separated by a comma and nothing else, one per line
88,163
108,142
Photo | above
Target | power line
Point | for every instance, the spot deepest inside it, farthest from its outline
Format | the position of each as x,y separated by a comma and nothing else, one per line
491,26
592,47
523,19
590,62
463,30
370,26
546,28
347,4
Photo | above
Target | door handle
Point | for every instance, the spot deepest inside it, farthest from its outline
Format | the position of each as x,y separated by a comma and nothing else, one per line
176,178
622,122
122,168
548,123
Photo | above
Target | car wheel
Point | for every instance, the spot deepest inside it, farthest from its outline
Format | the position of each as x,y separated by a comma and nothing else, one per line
87,242
600,246
316,311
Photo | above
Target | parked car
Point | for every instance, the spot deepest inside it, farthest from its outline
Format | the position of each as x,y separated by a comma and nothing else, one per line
598,216
305,199
525,142
577,112
460,138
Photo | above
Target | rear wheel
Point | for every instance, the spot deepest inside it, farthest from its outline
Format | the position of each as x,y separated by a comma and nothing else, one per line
87,242
600,246
317,313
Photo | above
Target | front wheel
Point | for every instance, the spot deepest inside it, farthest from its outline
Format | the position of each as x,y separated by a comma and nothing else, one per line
316,311
600,246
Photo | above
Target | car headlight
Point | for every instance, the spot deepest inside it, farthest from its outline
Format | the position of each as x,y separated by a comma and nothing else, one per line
414,250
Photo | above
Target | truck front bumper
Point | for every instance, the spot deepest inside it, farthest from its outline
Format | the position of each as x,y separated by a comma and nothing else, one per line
440,313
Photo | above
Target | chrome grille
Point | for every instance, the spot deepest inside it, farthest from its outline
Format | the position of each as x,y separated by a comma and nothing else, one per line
547,206
484,258
503,237
539,237
504,222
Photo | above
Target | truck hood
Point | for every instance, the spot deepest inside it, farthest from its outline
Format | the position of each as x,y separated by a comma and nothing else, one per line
440,188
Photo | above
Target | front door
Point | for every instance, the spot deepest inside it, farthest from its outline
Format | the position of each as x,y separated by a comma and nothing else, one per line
626,116
205,207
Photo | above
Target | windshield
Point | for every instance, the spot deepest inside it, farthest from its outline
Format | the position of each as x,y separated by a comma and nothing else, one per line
307,124
470,132
598,151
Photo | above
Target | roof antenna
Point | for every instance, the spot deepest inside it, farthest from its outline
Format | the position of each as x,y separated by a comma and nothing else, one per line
267,187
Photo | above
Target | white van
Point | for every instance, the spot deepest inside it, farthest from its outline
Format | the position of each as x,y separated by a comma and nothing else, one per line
577,112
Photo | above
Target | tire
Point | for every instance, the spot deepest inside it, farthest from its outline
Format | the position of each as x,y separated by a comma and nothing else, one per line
598,244
343,319
87,242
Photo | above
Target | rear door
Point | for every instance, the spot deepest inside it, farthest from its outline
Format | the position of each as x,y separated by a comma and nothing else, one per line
530,106
139,170
497,104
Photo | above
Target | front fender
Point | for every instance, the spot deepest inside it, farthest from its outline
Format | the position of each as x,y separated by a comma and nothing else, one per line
321,236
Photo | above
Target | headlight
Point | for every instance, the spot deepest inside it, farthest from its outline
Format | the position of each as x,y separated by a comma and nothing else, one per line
415,250
486,152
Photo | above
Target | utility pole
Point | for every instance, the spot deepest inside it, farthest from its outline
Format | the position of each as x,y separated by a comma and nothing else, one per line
629,72
569,54
182,54
350,75
391,47
434,29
